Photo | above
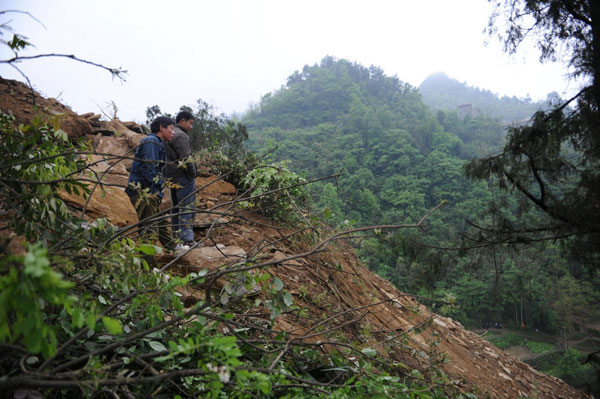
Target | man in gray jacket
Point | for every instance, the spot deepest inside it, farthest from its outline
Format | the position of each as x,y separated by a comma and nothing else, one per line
181,171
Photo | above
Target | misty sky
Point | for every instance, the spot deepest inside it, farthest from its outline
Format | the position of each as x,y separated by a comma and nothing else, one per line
231,52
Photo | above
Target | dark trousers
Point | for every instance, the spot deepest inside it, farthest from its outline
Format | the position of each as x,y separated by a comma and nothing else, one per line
183,210
147,206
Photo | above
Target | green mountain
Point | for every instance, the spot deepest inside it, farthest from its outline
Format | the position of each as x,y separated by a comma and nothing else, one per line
443,93
397,157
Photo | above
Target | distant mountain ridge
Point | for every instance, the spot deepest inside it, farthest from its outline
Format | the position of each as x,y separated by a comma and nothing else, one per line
441,92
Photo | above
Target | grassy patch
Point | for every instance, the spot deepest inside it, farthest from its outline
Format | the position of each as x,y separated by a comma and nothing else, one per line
539,347
507,340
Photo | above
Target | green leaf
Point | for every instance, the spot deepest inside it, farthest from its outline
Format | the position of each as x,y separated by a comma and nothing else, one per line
18,42
77,318
277,284
33,341
112,325
369,351
264,385
157,346
90,321
147,249
224,298
228,288
36,262
202,273
32,360
287,299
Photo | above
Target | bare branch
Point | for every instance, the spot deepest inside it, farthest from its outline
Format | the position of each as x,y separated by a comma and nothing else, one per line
115,72
23,12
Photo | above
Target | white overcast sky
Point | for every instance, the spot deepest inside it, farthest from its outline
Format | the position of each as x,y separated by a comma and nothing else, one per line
231,52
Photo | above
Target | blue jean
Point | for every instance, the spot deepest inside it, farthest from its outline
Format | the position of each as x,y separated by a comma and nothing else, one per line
182,213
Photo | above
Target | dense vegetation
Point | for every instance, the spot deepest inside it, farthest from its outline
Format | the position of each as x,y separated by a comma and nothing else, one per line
443,93
398,159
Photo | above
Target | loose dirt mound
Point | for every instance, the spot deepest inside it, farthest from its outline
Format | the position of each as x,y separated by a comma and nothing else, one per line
344,302
333,284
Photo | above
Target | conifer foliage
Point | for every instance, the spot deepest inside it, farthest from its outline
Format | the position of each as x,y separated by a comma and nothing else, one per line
553,163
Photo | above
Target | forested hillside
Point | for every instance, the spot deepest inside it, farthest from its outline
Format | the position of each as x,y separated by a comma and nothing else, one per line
395,156
398,158
256,311
441,92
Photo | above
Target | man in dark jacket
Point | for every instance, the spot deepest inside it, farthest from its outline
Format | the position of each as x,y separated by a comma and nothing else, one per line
145,186
181,171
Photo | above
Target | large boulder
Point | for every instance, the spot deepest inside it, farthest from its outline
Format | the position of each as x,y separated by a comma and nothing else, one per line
117,146
210,258
108,170
109,202
117,128
214,185
24,103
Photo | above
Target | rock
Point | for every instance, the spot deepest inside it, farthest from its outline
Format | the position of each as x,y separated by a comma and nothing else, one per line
211,257
111,203
279,256
134,127
19,99
491,353
116,145
204,219
102,164
439,322
166,201
214,185
93,118
17,246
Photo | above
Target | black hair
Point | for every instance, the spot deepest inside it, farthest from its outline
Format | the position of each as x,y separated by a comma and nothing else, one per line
161,121
184,115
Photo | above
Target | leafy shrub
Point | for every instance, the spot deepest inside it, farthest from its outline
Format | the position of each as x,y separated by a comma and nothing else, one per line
232,168
37,162
276,191
507,340
569,368
27,285
539,347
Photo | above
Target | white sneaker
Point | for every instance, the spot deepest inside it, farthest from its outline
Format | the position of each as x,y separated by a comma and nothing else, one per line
181,248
